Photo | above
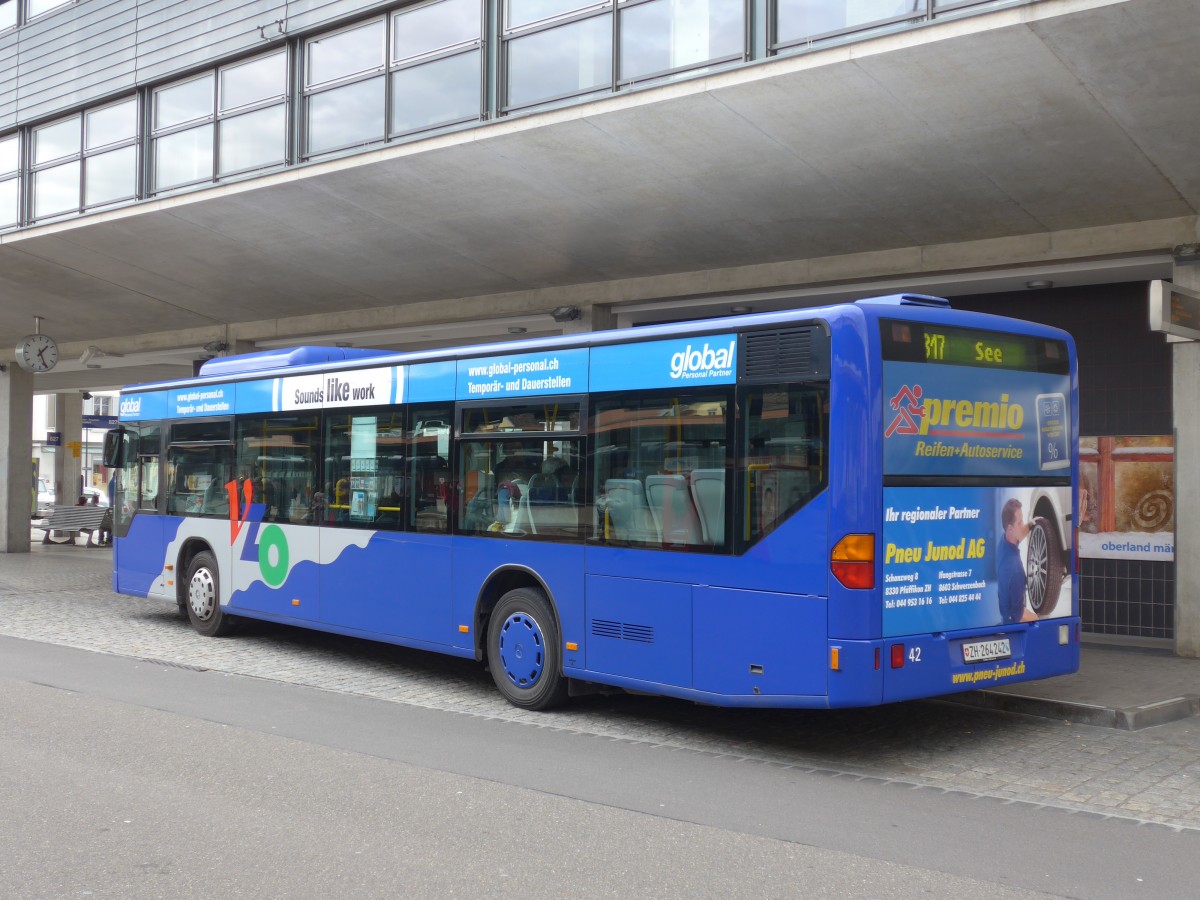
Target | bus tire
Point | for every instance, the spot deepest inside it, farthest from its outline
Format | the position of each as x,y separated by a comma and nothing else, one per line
525,652
204,597
1043,566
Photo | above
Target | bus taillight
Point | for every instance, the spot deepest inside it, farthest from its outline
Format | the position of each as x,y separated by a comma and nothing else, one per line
853,561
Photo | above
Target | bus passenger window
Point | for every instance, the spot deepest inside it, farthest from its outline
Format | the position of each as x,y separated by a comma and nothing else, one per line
427,447
520,466
277,454
659,468
785,453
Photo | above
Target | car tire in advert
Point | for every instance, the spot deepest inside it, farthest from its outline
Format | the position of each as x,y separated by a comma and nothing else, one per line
1044,566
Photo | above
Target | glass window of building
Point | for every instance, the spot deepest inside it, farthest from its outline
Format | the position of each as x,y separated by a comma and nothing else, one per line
437,49
57,168
800,20
345,117
111,176
437,93
667,35
253,140
56,141
8,14
183,142
344,54
518,13
256,81
223,123
564,61
10,180
435,27
37,7
110,125
350,113
191,101
10,202
185,157
110,153
252,114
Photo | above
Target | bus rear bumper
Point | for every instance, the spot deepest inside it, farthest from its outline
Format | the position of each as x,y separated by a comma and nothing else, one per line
931,665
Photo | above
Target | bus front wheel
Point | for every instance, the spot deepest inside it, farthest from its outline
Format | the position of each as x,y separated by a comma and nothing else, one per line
204,597
1044,566
525,652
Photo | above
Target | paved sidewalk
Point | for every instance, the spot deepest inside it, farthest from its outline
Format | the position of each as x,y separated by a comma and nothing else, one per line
1116,686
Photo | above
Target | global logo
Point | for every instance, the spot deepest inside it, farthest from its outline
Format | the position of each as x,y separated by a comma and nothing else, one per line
706,362
131,406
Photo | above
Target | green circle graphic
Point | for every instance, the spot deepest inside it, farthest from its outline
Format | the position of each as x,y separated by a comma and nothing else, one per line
273,536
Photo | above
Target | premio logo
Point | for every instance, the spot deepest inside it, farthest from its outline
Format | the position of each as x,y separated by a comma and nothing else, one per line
707,362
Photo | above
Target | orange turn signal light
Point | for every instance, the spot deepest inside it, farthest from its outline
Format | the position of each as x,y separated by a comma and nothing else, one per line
853,561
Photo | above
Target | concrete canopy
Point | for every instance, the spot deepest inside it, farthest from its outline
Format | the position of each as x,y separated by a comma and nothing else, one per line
1052,134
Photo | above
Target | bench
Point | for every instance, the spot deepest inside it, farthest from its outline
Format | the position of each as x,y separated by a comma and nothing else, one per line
72,519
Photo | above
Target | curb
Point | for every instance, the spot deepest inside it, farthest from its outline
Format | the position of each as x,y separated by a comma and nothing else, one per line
1130,718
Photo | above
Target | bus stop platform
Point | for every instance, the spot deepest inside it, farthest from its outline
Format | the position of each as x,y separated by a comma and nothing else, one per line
1117,686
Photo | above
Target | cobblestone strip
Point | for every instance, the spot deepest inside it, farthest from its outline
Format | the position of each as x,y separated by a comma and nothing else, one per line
1151,776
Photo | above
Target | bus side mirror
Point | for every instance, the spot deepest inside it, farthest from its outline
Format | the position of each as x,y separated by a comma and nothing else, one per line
114,448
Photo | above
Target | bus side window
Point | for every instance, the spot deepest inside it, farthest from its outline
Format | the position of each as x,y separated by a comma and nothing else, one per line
784,461
659,464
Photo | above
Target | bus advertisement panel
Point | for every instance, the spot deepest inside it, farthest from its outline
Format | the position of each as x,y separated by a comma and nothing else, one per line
958,555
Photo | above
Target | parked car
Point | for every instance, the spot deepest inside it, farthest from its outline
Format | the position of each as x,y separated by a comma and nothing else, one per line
45,499
95,492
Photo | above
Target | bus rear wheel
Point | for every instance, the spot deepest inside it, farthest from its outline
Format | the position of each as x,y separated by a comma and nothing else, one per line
204,597
525,652
1043,566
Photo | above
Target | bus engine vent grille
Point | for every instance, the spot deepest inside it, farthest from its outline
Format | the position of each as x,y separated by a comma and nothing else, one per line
623,631
782,355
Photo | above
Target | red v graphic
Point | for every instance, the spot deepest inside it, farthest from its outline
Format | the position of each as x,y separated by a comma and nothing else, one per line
237,516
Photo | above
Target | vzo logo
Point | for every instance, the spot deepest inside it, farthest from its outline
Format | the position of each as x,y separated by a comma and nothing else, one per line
271,548
689,363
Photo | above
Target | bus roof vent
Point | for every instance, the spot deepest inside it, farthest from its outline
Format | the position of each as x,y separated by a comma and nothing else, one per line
285,358
906,300
788,355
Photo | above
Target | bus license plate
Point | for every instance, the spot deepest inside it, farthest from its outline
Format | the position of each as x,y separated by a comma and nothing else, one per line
982,651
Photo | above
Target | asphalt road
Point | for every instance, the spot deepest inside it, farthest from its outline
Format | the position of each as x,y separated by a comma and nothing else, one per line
132,778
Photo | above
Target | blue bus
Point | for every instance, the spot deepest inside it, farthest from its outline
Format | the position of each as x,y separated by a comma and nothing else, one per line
826,507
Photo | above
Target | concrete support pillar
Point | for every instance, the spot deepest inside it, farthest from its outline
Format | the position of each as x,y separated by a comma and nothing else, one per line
16,458
68,421
1186,401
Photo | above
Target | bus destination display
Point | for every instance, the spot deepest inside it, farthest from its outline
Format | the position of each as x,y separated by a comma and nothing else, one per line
919,342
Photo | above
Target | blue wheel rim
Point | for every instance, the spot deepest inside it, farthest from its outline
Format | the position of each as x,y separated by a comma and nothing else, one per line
522,650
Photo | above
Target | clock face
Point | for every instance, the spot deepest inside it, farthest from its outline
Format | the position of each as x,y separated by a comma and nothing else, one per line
37,353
